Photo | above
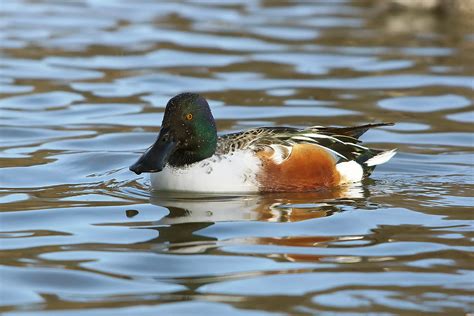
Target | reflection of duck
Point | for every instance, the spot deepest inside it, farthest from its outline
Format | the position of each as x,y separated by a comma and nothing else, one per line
188,155
274,207
190,213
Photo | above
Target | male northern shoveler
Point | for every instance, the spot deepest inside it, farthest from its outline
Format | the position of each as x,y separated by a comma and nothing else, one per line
189,156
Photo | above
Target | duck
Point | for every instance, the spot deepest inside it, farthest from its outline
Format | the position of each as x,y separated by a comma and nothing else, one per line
189,156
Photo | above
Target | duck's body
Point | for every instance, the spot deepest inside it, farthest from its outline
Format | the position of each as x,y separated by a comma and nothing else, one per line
277,159
257,160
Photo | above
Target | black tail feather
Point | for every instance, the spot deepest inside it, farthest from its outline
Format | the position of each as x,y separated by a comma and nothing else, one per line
354,131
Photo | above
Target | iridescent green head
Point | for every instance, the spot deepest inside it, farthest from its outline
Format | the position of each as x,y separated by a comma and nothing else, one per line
188,134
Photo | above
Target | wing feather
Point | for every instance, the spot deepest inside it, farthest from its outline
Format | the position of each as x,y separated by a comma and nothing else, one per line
340,141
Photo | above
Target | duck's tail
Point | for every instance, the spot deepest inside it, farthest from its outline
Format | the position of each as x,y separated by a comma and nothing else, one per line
352,131
373,158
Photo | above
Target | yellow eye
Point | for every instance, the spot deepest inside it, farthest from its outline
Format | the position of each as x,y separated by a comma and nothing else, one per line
189,116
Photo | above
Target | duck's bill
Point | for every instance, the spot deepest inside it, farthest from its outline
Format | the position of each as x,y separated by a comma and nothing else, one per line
156,157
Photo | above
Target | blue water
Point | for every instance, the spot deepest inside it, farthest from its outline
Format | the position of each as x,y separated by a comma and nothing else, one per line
83,85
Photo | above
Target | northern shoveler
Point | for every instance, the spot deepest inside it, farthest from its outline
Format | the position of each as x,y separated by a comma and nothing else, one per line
189,156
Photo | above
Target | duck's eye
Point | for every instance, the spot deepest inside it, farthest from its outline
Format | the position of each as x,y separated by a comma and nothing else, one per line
189,116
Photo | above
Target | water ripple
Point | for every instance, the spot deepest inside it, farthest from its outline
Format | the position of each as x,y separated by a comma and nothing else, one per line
83,88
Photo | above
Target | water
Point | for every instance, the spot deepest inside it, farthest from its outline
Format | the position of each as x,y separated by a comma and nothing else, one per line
83,87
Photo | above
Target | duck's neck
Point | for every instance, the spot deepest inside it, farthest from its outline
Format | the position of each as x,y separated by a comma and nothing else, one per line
187,156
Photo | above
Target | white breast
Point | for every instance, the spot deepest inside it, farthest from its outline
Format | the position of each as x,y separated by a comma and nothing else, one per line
235,172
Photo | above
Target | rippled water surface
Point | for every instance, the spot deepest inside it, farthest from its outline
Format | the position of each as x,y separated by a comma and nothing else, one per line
83,86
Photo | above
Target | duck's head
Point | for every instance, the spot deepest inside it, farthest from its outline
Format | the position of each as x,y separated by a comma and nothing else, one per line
188,134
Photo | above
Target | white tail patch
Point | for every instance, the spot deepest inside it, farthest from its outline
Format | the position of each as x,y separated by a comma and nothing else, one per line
381,158
350,171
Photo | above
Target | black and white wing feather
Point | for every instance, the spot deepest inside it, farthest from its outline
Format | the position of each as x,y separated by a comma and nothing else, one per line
342,142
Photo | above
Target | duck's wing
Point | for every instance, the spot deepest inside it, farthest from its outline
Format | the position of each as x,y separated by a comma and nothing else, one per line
255,139
342,142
